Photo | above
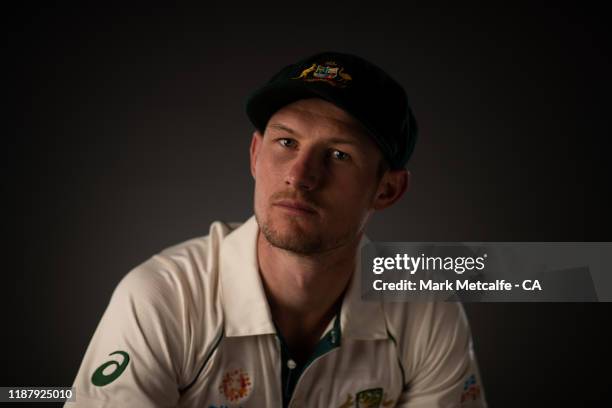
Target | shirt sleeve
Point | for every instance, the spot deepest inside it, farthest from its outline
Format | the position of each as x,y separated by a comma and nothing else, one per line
135,356
442,367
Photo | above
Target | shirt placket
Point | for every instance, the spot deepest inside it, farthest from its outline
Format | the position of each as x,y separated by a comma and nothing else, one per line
292,374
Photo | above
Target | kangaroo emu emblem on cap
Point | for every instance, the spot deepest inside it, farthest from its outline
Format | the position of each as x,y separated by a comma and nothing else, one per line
329,72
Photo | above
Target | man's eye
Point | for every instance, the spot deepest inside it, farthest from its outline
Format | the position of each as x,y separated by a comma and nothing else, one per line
338,155
287,142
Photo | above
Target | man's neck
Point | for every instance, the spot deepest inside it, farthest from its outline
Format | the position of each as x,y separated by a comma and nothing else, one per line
304,292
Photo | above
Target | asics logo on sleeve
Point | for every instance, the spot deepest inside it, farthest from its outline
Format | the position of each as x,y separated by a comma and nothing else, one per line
100,378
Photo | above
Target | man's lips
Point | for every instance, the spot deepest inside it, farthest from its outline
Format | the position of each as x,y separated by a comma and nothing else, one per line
295,205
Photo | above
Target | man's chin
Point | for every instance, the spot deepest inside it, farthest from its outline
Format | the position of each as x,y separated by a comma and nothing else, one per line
293,237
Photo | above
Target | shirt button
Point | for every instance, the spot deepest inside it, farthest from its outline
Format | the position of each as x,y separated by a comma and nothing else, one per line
291,364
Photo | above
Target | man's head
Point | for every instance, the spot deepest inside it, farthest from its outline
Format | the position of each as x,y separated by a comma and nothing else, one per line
321,165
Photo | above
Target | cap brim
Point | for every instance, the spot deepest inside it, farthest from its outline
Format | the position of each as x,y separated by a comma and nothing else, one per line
266,101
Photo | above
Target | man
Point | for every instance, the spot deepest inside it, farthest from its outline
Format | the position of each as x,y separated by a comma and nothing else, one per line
268,314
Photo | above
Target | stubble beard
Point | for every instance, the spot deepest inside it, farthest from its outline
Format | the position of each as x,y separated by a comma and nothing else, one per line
297,240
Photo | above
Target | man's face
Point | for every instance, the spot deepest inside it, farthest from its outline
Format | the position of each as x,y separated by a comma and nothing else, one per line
316,178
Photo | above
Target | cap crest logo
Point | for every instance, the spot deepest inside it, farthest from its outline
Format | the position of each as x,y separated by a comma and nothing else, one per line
329,72
326,72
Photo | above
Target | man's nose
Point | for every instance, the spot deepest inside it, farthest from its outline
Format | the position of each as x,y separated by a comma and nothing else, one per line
305,172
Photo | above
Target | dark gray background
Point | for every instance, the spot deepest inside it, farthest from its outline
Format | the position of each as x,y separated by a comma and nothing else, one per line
126,134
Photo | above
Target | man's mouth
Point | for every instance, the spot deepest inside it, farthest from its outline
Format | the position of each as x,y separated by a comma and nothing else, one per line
296,206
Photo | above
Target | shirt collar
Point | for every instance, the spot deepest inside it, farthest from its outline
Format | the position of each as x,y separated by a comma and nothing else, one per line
246,308
359,319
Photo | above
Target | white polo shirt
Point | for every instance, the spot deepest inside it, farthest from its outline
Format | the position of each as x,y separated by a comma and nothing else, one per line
191,327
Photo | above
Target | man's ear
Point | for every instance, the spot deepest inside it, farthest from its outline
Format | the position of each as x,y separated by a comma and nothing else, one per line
256,142
393,184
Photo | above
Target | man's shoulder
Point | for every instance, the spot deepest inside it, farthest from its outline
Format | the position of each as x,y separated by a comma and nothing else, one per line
187,270
202,245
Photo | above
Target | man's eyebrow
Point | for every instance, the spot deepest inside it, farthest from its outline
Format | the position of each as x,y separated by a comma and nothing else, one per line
339,139
280,126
